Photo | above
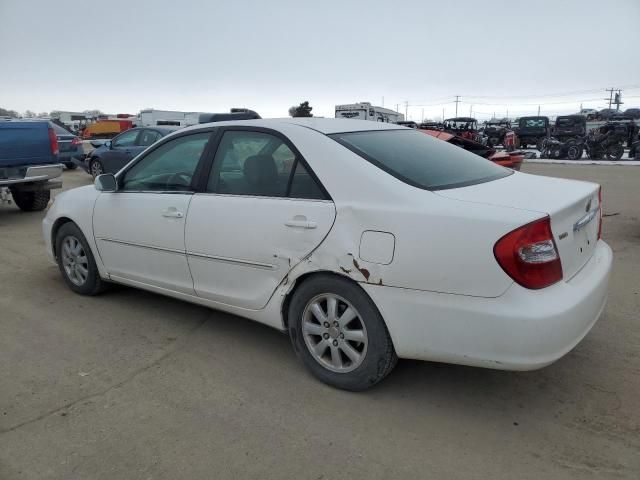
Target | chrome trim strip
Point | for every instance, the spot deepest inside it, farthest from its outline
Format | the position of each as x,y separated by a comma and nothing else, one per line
235,261
140,245
580,224
233,195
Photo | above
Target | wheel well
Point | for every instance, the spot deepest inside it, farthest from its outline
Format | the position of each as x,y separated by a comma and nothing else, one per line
54,231
305,278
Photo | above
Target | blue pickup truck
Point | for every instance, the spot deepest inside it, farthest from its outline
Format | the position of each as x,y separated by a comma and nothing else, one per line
29,164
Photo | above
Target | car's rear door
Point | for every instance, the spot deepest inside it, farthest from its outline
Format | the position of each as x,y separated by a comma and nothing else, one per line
259,213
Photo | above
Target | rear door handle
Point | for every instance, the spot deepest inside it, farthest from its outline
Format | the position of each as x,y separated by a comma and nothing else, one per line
172,213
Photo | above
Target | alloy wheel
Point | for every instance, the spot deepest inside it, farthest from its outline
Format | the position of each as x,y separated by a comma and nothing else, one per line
96,168
74,261
334,333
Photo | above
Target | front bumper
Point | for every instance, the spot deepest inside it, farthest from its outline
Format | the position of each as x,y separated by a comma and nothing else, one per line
520,330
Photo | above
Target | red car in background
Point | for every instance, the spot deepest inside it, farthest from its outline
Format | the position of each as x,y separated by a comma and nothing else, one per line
511,160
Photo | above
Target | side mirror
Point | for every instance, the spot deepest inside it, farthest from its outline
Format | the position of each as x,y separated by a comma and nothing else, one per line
108,144
106,183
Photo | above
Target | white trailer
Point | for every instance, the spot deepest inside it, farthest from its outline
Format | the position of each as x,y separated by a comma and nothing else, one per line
153,118
366,111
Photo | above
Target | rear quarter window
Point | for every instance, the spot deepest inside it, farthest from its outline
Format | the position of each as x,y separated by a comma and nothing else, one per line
421,160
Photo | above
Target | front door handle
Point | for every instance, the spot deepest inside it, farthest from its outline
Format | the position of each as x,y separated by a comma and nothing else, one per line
172,213
297,222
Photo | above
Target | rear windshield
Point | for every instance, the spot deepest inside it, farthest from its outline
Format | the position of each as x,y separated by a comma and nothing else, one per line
421,160
59,130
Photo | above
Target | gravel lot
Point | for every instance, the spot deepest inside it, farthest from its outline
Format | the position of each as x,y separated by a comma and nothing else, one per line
132,385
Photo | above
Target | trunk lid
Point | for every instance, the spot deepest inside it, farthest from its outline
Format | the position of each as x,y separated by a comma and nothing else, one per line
572,206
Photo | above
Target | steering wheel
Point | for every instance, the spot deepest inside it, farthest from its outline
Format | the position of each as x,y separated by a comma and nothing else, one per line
179,179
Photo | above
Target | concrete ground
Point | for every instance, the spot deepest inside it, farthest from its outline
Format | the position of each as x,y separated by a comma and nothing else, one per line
132,385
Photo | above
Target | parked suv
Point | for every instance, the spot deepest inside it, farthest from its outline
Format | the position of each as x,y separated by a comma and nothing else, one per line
116,153
568,127
532,130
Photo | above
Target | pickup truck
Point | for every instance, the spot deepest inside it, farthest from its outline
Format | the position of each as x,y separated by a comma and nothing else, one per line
29,166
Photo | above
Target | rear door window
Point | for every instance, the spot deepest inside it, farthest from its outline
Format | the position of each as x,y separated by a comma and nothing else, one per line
260,164
421,160
148,137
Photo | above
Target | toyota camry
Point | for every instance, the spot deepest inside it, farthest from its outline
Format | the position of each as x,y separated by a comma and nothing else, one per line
365,242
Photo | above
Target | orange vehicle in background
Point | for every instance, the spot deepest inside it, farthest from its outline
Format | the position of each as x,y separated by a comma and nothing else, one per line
106,128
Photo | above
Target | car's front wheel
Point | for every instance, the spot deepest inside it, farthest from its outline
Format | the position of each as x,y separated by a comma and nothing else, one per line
339,334
76,262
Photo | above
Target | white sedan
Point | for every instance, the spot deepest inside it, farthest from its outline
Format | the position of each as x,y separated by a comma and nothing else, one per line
364,241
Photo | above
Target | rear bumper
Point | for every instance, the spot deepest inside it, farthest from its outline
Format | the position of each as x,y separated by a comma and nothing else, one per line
520,330
71,155
38,173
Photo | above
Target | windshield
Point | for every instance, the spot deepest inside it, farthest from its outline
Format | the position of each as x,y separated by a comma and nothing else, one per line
421,160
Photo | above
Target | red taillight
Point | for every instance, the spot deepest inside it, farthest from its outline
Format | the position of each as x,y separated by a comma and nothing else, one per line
600,212
76,141
53,142
529,255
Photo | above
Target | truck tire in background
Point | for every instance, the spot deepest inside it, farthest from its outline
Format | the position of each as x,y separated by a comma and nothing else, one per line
33,201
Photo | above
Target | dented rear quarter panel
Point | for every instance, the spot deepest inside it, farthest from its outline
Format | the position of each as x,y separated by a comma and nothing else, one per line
442,244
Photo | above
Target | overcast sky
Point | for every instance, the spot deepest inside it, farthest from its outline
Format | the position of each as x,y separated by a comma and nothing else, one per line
268,55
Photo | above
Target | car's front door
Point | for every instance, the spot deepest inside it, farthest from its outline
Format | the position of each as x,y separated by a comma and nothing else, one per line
120,152
261,212
139,229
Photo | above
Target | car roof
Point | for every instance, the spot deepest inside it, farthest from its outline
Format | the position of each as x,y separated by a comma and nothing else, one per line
322,125
163,130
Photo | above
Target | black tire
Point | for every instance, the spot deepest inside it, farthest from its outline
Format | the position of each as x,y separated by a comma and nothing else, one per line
379,357
93,284
574,152
614,152
95,167
70,165
33,201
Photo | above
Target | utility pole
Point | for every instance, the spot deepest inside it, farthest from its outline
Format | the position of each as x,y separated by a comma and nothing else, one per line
471,111
422,118
610,90
406,110
618,100
443,114
538,110
397,107
383,101
457,101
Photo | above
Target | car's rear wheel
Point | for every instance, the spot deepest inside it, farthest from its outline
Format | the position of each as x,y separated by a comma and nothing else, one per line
339,334
70,165
96,168
76,261
30,200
